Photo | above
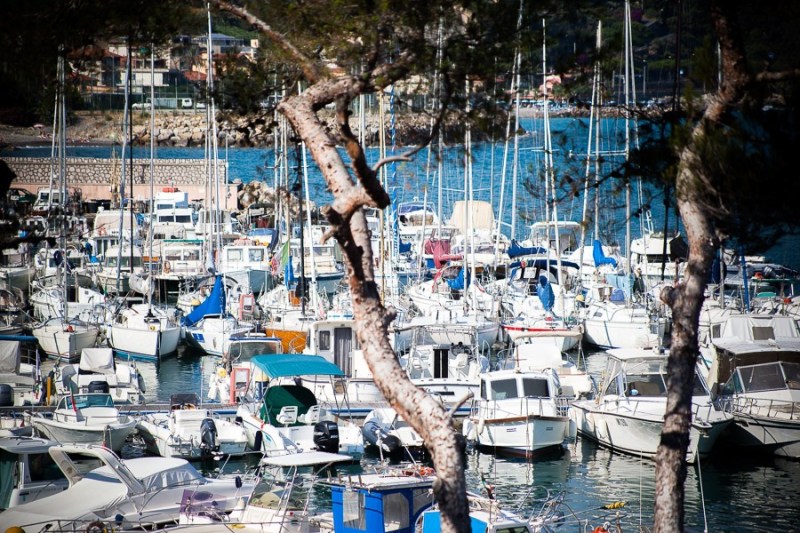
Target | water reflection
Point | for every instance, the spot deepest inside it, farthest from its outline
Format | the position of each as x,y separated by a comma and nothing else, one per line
741,494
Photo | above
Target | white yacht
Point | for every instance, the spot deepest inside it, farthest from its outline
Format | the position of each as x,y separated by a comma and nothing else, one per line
628,414
98,371
126,493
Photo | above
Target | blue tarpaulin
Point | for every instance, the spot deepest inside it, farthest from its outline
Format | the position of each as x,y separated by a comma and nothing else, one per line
622,286
213,305
515,250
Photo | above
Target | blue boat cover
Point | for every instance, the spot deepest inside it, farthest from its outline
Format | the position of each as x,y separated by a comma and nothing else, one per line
622,287
515,250
287,365
213,305
545,293
457,283
600,256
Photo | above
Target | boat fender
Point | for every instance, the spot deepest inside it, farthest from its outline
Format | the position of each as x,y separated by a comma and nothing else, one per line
479,428
96,527
257,441
6,395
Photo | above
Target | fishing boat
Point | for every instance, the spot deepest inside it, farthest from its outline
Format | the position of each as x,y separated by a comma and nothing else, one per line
88,418
283,416
189,431
518,413
628,414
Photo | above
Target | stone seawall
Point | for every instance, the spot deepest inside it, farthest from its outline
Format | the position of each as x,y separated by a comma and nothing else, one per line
97,177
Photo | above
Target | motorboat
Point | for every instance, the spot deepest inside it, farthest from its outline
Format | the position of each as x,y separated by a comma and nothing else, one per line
386,431
19,381
190,432
140,493
282,416
118,265
88,418
628,414
757,366
574,383
27,471
98,371
518,413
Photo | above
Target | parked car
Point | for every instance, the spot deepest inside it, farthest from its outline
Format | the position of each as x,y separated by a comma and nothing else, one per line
186,103
20,196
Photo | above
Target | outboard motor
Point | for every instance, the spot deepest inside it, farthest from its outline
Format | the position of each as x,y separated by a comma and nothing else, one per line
326,436
208,436
377,436
6,395
98,386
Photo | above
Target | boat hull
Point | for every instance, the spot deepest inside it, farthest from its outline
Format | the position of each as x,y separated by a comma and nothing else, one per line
64,345
112,435
640,434
144,345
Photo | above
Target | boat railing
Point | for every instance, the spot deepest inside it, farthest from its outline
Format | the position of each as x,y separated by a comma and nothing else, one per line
527,406
763,407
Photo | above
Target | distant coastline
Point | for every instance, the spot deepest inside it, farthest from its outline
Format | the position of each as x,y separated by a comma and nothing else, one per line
187,128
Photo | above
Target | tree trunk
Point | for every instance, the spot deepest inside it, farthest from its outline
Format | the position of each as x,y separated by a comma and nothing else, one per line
698,198
349,227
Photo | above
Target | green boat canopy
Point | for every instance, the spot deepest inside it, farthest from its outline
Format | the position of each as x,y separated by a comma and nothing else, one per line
286,365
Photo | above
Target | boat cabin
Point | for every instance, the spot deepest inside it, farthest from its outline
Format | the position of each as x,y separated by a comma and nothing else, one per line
27,472
379,502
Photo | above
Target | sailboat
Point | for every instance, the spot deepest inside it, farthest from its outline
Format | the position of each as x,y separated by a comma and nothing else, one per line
62,337
143,331
612,318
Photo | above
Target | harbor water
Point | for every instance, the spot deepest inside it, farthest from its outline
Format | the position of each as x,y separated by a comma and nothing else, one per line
727,493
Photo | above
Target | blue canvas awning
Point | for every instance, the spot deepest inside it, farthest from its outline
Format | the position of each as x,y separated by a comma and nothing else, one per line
287,365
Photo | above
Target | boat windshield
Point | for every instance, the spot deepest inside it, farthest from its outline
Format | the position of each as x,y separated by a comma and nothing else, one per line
246,349
769,376
83,401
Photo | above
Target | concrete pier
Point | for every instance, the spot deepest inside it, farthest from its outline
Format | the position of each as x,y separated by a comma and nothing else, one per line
98,178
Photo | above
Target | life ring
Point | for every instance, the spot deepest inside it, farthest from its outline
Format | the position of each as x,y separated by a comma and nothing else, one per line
167,267
96,527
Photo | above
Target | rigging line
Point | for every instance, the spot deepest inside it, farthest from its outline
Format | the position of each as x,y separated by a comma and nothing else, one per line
702,494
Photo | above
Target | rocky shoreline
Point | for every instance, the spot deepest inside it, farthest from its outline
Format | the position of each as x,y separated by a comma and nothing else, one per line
187,128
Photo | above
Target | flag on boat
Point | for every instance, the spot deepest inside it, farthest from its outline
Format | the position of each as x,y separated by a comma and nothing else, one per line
281,259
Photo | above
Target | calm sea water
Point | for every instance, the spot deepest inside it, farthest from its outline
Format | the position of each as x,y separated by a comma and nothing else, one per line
729,493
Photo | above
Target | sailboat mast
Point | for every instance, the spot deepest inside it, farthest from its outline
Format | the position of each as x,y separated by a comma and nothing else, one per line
515,164
152,179
125,138
592,118
627,135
